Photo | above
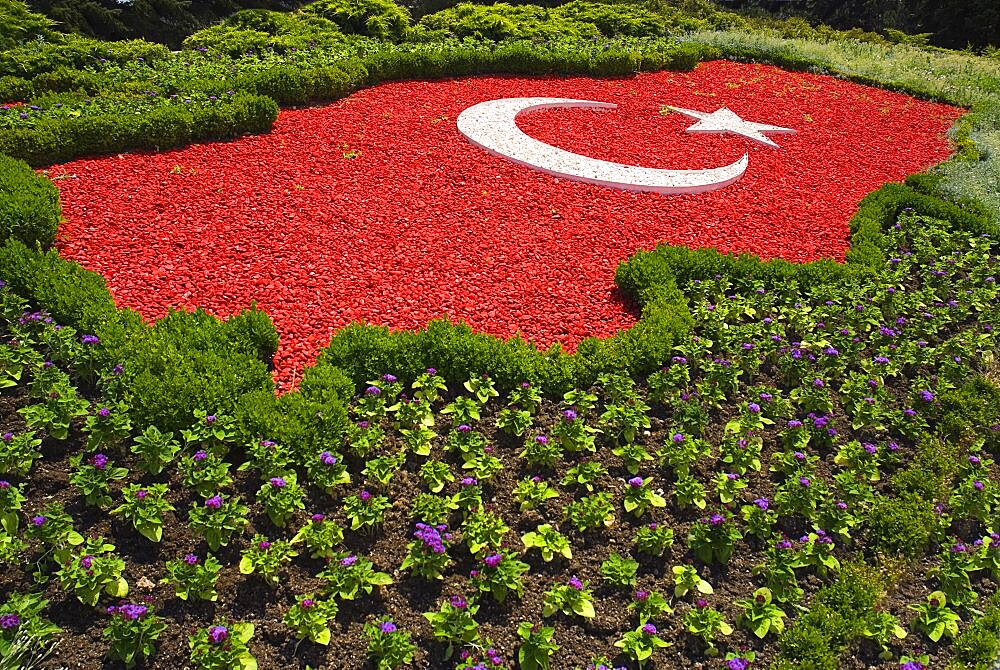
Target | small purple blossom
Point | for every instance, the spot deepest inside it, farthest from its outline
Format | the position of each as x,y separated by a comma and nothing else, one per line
278,482
191,559
388,627
9,621
218,634
215,502
649,629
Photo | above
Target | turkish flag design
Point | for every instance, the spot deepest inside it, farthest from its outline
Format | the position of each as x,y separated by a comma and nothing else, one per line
376,208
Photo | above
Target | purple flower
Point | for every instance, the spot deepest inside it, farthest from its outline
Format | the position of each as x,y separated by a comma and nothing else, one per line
264,544
649,629
794,423
278,482
210,419
701,603
37,521
90,340
215,502
458,602
9,621
7,437
493,560
869,447
317,517
4,484
218,634
641,596
754,408
200,455
732,476
191,559
677,438
348,561
912,665
716,519
431,371
326,458
99,461
978,485
87,561
974,460
569,414
141,494
804,482
468,481
841,505
635,482
365,496
307,603
131,612
104,412
927,396
541,439
373,391
737,663
762,503
388,627
575,583
388,378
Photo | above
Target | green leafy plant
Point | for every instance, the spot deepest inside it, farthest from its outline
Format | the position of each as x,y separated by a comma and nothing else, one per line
309,618
217,519
760,615
145,506
266,558
348,575
571,598
223,647
708,624
454,623
155,450
549,541
537,647
641,643
619,571
934,618
93,478
193,577
96,569
389,646
132,632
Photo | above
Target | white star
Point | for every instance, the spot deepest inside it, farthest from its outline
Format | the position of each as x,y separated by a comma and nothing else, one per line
727,121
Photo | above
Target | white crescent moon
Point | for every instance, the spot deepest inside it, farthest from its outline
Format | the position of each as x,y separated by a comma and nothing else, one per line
490,125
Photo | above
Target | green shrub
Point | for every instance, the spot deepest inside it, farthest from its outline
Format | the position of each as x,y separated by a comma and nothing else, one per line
309,421
901,525
15,89
968,409
837,617
502,21
259,30
978,647
18,23
382,19
75,52
189,361
29,204
62,139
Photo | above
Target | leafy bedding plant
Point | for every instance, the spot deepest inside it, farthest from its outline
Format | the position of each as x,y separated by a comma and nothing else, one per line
824,481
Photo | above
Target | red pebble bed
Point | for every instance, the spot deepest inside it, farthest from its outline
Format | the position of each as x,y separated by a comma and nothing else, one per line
375,208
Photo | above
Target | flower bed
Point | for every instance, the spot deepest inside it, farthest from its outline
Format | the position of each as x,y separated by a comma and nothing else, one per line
796,438
344,213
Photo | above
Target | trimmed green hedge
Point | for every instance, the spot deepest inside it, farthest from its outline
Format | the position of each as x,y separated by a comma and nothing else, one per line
29,204
182,363
165,127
